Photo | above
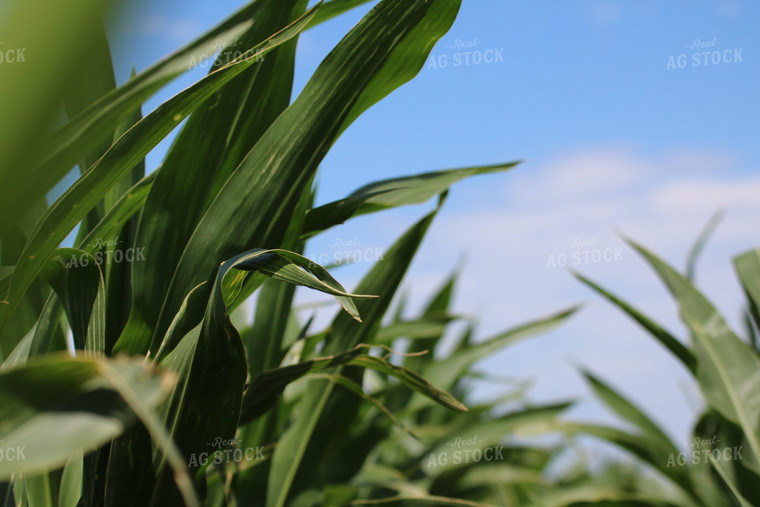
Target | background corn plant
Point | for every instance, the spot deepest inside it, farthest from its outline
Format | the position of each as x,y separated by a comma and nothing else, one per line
163,388
720,464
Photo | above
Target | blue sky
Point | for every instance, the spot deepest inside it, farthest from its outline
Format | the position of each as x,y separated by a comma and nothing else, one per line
613,139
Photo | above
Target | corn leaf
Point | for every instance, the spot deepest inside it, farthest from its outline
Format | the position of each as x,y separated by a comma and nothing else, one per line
56,408
728,371
664,337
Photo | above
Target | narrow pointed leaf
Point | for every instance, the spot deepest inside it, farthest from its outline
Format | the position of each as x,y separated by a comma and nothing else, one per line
628,411
747,267
391,193
664,337
728,371
446,372
699,244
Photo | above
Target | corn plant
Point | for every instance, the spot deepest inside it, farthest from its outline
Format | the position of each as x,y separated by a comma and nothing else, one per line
403,449
721,466
124,380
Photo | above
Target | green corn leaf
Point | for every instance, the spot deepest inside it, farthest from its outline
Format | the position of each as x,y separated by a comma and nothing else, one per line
205,405
728,371
446,372
334,8
77,279
410,379
490,432
383,279
91,127
437,307
724,474
39,490
71,483
239,114
651,451
420,329
256,203
658,332
355,388
94,79
267,386
49,335
117,162
699,244
403,501
56,408
628,411
95,125
130,203
391,193
747,267
30,93
20,353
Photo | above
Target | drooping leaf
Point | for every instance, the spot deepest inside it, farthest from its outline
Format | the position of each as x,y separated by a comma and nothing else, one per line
215,346
383,279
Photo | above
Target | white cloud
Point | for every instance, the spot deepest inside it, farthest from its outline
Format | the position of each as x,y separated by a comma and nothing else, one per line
589,172
696,195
